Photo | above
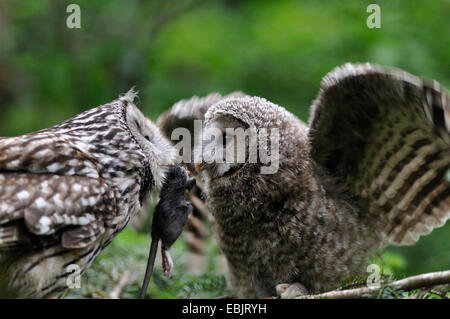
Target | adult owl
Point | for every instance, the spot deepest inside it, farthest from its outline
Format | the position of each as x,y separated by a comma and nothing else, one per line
367,171
66,191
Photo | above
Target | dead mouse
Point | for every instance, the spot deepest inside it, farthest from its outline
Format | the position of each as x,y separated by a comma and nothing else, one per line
171,214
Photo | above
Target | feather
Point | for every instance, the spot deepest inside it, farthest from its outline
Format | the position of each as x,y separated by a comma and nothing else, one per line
48,203
82,236
383,133
183,114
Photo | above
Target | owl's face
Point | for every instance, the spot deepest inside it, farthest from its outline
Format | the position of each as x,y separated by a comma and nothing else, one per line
223,153
248,137
157,148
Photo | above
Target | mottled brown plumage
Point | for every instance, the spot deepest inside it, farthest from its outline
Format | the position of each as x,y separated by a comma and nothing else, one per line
368,171
183,114
66,191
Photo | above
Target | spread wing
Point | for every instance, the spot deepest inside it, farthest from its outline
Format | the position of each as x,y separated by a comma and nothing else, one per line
42,198
384,134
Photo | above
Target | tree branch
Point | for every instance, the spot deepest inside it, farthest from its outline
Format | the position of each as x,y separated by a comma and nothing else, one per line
410,283
117,290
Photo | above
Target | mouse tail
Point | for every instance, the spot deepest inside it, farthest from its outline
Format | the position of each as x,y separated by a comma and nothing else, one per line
150,264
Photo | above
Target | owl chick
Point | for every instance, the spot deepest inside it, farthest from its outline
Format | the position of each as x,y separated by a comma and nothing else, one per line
198,230
67,191
368,171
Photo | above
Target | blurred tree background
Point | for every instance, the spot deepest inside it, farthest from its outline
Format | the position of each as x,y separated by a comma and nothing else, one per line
172,50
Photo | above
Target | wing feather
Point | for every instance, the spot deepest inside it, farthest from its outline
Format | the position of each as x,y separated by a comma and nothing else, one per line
82,236
49,203
44,152
385,135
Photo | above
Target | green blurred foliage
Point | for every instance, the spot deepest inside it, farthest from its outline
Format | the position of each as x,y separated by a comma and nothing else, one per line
128,253
175,49
172,50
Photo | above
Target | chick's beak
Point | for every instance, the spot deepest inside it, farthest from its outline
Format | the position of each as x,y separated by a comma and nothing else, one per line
191,183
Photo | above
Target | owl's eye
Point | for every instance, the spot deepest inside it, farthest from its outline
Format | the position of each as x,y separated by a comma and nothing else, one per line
147,138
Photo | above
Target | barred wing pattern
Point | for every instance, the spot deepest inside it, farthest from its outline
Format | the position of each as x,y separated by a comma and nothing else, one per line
385,135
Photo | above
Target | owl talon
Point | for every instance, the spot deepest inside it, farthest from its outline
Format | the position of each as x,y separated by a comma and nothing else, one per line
289,291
